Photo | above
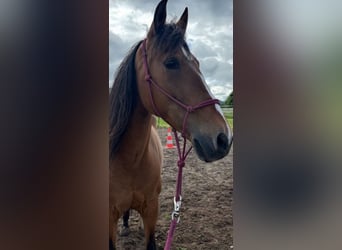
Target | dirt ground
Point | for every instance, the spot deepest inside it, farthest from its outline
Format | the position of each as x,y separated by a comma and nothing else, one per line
206,213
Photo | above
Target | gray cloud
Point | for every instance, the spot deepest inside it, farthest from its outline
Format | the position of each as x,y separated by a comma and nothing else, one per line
209,65
202,50
209,35
116,52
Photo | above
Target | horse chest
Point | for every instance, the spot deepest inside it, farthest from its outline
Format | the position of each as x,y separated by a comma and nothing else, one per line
134,186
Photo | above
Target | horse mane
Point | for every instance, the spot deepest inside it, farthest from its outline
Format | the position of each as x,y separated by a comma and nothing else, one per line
122,99
124,93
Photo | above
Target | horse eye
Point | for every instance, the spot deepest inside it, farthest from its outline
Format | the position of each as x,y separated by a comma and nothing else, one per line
171,63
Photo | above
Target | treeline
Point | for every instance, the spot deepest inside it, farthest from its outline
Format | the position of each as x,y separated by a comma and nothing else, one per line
229,101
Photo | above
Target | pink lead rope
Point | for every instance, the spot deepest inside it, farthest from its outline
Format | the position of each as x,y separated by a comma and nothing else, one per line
175,216
182,154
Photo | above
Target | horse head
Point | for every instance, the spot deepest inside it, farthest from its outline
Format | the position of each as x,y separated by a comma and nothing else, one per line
171,85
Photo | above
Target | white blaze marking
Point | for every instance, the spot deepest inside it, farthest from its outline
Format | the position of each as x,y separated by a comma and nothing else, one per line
190,58
217,106
186,54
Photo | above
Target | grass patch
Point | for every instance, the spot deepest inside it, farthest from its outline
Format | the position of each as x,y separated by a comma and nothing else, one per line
161,123
230,122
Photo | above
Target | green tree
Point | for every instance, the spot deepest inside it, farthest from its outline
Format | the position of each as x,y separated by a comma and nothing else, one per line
229,100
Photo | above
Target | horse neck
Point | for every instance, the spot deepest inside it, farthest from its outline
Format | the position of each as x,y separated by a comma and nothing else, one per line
137,136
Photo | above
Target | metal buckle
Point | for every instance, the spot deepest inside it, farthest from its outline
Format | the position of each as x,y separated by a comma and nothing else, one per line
177,205
175,215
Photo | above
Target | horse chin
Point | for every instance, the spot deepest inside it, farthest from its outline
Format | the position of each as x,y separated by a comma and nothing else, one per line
207,151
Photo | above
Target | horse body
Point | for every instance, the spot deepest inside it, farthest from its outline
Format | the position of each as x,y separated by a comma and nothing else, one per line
177,93
135,181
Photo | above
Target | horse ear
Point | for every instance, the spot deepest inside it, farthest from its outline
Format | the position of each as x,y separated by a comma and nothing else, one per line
183,21
159,19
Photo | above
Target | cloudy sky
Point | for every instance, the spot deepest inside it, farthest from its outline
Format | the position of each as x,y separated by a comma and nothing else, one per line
209,35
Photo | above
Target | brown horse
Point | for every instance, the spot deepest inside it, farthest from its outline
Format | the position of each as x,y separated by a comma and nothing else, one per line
135,148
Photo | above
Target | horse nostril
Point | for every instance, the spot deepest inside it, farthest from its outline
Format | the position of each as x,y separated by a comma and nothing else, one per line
222,141
198,148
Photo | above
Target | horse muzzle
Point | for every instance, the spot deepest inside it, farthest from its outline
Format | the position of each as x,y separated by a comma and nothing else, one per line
210,148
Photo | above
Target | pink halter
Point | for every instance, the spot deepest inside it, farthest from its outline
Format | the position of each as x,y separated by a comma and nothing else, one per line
188,108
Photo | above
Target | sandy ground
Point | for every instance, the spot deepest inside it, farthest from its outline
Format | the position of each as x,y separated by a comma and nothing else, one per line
206,212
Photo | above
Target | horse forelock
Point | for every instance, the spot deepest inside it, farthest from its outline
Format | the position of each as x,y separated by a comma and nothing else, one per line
169,39
122,99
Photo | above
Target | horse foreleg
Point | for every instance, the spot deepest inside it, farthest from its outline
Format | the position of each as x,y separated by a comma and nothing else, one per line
111,246
125,229
125,218
113,222
150,216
